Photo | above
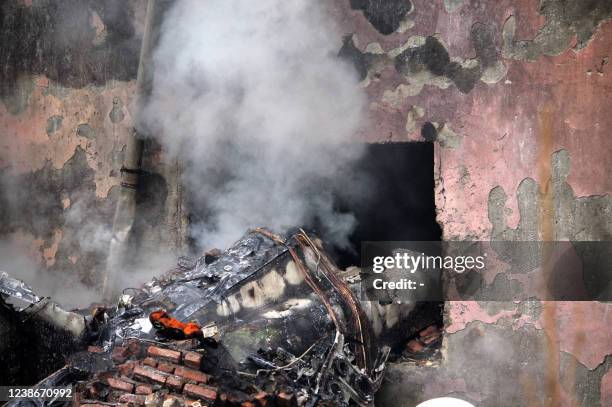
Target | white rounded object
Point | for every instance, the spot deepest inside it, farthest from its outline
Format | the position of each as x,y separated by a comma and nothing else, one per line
445,402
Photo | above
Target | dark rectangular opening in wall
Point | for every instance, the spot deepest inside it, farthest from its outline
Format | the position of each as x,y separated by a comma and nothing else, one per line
399,203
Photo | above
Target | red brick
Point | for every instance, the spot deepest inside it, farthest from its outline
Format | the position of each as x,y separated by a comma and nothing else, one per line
127,368
192,359
132,398
166,367
428,340
431,329
120,385
201,392
262,398
127,379
414,346
148,373
175,383
430,334
286,400
171,355
120,354
95,349
150,362
144,389
191,374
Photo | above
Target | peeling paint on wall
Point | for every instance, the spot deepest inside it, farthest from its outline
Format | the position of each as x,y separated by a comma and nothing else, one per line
575,218
57,120
509,177
59,207
564,21
65,107
73,43
385,15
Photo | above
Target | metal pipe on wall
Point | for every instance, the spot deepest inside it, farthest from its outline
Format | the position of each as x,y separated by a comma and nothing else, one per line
125,212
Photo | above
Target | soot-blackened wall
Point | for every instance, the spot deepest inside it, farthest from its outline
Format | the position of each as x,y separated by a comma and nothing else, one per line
516,93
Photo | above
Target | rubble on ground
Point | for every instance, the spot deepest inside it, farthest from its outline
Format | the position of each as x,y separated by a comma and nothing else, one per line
269,322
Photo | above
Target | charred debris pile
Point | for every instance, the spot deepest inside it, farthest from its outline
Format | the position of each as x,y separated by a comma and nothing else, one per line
269,322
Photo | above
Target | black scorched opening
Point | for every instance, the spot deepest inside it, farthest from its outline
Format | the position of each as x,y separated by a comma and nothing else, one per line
399,206
400,203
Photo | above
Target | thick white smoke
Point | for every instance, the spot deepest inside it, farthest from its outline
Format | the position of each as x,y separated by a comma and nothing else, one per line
253,98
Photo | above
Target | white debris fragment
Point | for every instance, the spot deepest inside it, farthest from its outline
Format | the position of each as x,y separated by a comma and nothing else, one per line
142,324
210,330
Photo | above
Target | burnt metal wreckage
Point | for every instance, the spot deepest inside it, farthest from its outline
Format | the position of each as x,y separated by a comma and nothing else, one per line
269,322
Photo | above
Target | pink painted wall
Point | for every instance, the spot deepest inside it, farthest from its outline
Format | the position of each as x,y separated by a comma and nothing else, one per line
548,93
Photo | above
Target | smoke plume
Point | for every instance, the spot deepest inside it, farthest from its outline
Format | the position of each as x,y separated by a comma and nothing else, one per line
254,99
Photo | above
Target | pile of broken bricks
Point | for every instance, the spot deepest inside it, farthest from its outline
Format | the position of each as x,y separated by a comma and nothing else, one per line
153,376
424,345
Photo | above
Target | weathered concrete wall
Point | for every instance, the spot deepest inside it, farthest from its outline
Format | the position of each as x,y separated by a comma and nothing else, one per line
66,87
515,95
